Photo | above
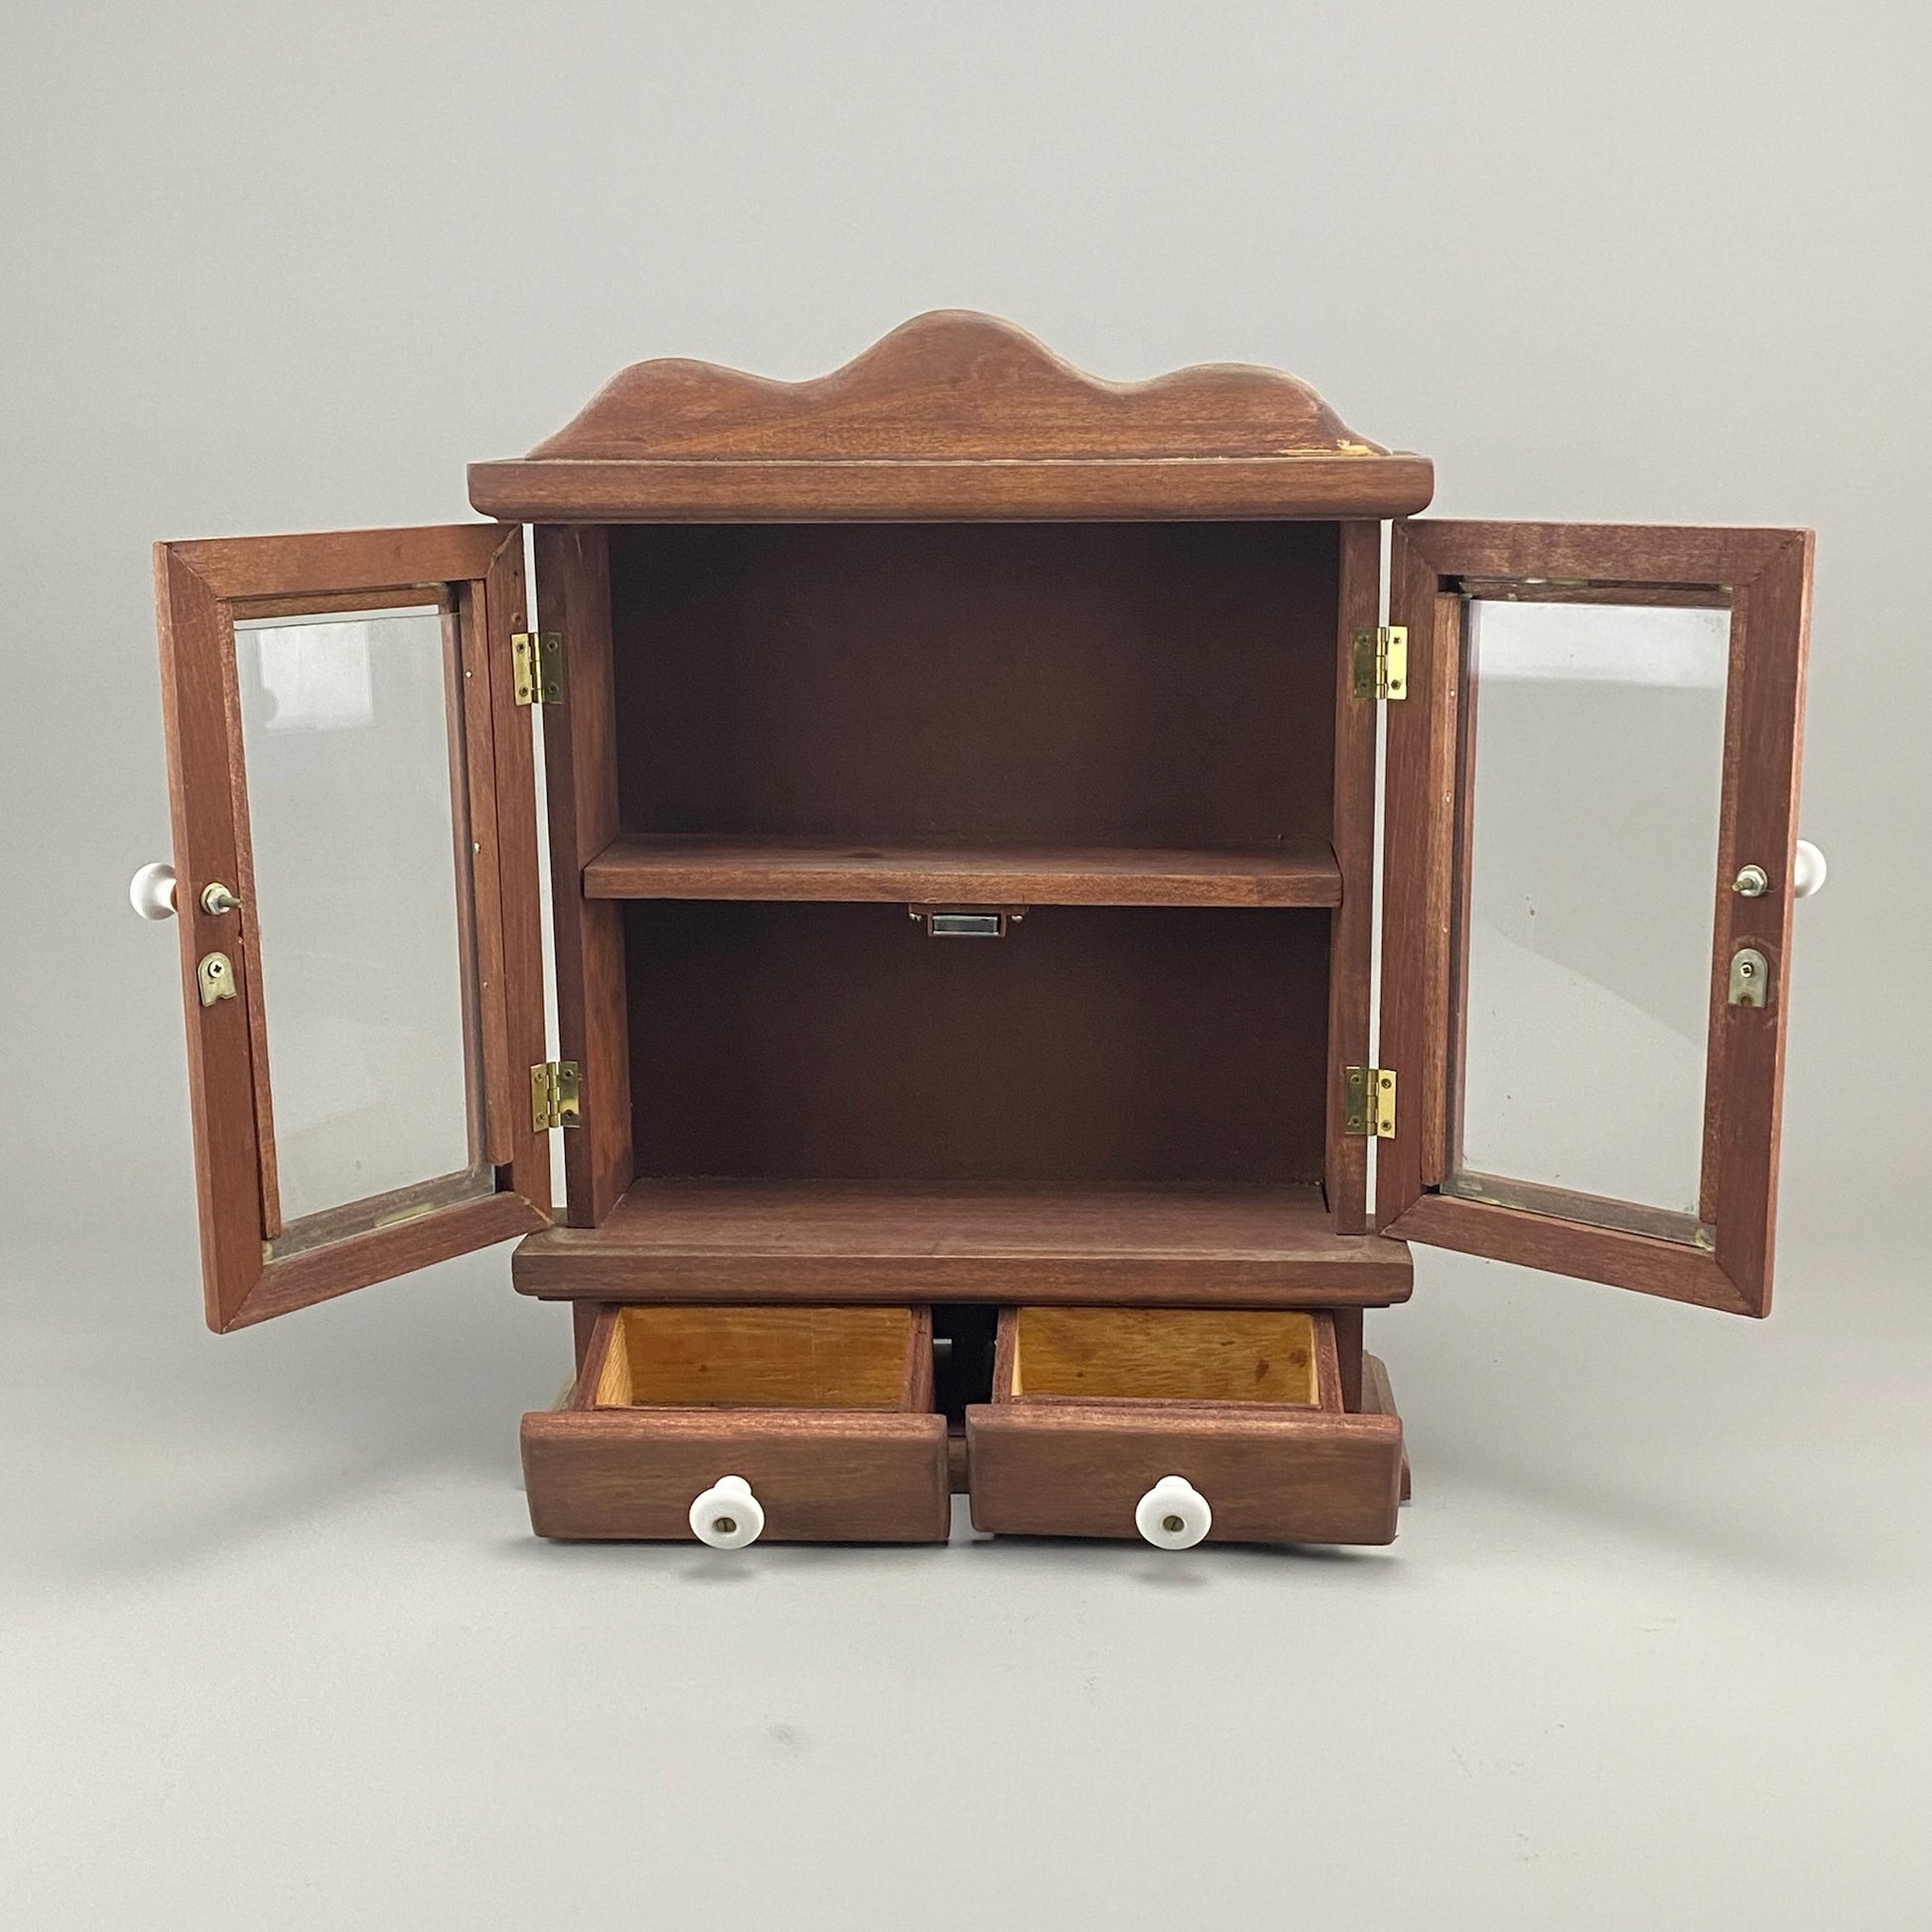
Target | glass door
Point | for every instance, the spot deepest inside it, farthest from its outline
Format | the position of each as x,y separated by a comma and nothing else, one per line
357,887
1590,868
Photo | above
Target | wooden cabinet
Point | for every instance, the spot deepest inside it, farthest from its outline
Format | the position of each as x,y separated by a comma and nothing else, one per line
961,779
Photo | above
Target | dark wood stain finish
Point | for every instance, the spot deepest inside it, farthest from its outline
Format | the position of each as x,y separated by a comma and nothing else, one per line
1091,1048
816,1240
696,865
465,567
1270,1472
960,626
950,416
1765,576
824,1475
581,763
1150,685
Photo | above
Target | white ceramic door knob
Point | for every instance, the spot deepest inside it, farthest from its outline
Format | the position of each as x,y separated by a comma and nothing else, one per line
151,891
1808,870
1174,1514
728,1516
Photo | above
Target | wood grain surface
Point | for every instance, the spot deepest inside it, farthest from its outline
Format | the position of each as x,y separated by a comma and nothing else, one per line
751,1358
1352,928
1238,1355
1092,1046
1295,1476
467,568
1297,872
1378,1399
1765,576
767,1241
952,414
1154,686
581,761
826,1476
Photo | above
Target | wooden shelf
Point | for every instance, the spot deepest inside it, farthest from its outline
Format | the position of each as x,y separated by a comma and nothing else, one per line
875,1241
1299,872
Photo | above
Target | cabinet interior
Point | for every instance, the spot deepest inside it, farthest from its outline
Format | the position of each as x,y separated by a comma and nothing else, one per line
1151,685
1092,1046
1078,718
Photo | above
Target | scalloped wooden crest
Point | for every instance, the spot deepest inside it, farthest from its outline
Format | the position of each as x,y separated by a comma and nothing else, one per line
951,384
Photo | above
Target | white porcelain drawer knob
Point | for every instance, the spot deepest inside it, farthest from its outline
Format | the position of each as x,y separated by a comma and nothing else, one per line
151,891
1174,1514
728,1516
1808,870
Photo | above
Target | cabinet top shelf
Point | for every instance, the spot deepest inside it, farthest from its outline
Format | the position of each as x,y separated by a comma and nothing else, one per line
1297,872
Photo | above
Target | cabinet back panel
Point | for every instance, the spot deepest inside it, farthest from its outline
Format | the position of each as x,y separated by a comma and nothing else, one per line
1163,684
1093,1045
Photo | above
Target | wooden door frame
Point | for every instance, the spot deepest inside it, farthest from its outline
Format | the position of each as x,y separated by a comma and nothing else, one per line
1765,578
479,569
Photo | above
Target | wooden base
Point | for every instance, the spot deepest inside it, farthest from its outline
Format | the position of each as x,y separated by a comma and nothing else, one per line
829,1413
862,1241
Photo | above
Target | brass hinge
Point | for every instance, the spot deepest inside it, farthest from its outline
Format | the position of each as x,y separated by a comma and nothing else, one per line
538,667
1382,661
554,1095
1368,1103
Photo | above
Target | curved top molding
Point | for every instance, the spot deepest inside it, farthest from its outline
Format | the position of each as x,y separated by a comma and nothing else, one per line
951,385
952,416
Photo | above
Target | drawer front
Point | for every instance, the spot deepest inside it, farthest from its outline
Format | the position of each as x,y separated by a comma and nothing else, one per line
1068,1469
821,1477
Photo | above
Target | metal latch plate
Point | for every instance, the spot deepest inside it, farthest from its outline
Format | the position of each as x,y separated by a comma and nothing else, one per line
537,667
1750,978
215,977
968,922
1368,1102
555,1099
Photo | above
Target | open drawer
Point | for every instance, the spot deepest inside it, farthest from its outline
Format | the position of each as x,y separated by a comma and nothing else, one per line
824,1416
1092,1408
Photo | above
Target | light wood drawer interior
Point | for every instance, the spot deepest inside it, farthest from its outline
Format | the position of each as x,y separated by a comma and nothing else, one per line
758,1358
1244,1355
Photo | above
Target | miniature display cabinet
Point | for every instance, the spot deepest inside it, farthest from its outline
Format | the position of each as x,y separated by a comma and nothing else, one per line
962,785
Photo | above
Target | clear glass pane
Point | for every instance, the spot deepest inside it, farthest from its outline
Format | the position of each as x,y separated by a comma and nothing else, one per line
1597,774
350,727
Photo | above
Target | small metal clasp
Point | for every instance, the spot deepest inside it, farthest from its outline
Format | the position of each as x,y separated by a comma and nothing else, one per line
1751,977
214,975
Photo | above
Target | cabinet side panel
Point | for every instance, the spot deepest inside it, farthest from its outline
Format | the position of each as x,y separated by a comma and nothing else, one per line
581,778
1350,931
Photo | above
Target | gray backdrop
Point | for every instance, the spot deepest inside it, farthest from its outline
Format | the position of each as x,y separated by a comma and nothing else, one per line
277,1649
